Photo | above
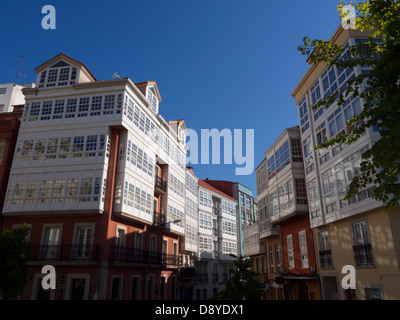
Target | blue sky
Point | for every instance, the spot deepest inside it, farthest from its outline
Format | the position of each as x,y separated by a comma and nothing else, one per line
218,63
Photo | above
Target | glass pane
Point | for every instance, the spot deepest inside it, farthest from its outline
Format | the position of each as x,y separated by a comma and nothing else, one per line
348,113
339,123
332,128
358,234
357,107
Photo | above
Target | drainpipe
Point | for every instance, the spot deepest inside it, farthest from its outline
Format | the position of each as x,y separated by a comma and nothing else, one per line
317,270
281,257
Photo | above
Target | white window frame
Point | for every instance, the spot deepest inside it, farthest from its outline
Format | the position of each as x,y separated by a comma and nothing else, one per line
289,241
303,249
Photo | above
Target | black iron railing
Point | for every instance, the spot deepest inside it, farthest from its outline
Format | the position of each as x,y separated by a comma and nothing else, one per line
172,260
86,252
161,184
159,219
124,254
363,255
133,255
325,259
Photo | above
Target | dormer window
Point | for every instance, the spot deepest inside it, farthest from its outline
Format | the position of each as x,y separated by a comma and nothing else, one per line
152,98
58,75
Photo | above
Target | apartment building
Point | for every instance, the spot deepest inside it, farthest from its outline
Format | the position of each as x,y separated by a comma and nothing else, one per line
269,237
254,249
356,232
9,126
189,247
246,206
11,103
284,222
217,239
100,177
11,95
249,244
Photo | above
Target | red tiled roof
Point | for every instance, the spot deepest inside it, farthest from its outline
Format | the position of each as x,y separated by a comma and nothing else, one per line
142,85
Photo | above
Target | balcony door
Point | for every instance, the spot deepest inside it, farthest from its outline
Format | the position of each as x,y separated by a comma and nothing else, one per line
138,245
120,243
120,238
152,249
157,171
362,248
51,243
165,250
175,253
155,203
83,242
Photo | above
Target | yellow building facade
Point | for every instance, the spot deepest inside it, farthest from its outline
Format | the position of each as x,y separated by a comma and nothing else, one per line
376,276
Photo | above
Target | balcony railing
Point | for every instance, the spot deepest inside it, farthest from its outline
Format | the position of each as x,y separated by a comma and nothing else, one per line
172,260
325,259
88,252
161,184
159,219
133,255
363,255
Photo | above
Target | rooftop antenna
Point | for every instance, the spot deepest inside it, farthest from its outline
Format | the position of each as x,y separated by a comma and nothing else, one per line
115,76
19,68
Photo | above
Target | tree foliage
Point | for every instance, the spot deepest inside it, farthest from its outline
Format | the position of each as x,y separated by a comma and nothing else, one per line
14,255
242,285
379,89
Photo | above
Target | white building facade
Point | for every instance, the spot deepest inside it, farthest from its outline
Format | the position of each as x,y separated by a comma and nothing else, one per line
11,95
95,159
217,240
